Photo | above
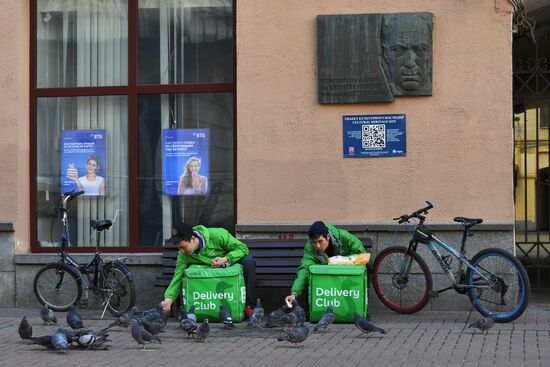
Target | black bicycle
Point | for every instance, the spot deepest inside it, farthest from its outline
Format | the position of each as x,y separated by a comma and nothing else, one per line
60,284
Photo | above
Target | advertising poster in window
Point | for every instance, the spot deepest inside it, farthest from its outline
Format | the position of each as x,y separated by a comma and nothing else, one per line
185,161
83,164
375,136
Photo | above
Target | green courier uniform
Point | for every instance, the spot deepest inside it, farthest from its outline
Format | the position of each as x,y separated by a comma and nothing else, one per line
347,245
218,242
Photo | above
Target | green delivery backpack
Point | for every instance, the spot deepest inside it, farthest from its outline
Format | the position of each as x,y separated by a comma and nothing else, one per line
207,288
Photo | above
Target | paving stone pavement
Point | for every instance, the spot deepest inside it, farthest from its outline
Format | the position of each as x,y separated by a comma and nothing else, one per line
420,340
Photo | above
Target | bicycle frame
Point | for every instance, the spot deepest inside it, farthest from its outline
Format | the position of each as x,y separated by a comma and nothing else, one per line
434,240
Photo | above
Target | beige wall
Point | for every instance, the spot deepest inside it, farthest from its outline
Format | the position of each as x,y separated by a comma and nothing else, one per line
14,118
459,141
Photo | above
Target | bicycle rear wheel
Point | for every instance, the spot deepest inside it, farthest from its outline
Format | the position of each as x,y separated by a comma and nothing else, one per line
119,289
402,281
57,285
508,294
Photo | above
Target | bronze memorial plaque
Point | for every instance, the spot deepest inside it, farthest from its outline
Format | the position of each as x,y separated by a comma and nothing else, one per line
373,57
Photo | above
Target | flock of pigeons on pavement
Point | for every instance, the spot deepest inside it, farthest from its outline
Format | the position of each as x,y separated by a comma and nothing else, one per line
146,326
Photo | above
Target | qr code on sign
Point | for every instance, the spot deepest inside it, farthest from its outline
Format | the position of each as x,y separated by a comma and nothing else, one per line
374,136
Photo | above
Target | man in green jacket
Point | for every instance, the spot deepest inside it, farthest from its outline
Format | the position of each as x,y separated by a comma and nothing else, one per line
208,246
325,240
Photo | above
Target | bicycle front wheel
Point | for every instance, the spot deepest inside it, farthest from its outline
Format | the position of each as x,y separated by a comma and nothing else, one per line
401,280
506,295
58,286
119,291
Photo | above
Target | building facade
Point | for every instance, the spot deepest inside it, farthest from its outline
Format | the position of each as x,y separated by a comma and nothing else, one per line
136,73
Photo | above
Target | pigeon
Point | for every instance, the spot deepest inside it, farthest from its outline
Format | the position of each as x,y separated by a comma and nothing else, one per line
124,319
154,326
191,314
296,335
326,320
59,340
189,326
257,315
92,340
484,323
45,341
253,321
47,315
294,317
225,317
203,330
141,335
258,311
298,311
275,318
156,313
74,319
365,326
25,329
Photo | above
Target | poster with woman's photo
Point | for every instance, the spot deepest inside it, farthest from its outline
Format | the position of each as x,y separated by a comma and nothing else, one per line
83,163
185,161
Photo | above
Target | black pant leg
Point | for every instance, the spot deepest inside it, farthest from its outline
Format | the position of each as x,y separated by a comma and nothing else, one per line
249,271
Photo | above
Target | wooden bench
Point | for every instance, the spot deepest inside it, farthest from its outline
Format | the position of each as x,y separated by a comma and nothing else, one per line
276,261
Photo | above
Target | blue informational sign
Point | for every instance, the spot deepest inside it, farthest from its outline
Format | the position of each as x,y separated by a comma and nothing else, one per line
375,136
185,161
83,164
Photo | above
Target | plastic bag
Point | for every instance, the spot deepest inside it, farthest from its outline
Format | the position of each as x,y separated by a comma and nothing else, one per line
362,259
341,260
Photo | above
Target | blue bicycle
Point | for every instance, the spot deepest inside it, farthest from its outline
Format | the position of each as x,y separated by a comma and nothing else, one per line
494,280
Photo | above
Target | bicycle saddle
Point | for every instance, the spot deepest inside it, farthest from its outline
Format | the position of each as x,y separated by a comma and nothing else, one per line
468,222
100,225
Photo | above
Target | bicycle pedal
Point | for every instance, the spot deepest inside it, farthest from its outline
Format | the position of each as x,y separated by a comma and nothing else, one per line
433,294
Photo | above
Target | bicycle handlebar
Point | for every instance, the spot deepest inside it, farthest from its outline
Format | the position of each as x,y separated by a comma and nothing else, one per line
417,214
69,195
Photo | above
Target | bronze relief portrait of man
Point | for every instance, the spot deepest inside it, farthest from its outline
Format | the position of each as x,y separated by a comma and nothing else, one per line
373,57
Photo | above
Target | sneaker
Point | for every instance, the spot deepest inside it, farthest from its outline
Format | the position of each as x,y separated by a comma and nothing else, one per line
247,312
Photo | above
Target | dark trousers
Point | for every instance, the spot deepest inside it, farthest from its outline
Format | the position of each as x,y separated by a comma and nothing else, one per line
249,269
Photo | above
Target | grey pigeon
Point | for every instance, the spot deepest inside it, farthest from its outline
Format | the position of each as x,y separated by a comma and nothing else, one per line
258,311
156,314
257,315
296,316
47,315
225,317
296,335
72,335
203,330
326,320
141,335
74,319
275,318
92,340
59,340
191,314
484,323
154,326
25,329
189,326
365,326
124,319
253,321
45,341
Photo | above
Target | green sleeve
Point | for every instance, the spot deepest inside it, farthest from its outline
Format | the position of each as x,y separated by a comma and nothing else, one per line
236,249
175,286
302,276
353,243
